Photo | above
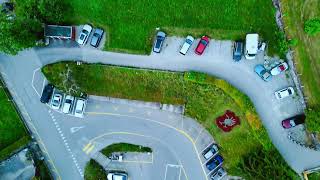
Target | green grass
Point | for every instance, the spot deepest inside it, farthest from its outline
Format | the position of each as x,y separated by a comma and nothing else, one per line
307,51
131,24
205,99
94,171
314,176
13,134
124,147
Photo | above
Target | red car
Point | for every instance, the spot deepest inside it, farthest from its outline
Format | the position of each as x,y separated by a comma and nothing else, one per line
203,43
293,121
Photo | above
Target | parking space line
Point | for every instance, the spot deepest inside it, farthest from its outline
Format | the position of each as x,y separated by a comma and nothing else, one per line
207,146
198,135
34,72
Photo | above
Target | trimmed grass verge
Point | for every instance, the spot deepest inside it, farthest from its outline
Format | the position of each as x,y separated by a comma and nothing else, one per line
13,134
124,147
94,171
205,98
131,24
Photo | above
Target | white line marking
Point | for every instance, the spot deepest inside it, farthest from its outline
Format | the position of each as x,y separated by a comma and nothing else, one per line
75,129
199,135
180,174
44,81
34,72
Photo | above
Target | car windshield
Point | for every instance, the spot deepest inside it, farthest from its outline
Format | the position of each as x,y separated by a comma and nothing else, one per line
85,31
251,55
203,42
68,101
82,36
189,41
96,35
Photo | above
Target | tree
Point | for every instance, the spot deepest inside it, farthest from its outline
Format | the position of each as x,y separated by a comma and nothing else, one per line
51,11
17,34
312,26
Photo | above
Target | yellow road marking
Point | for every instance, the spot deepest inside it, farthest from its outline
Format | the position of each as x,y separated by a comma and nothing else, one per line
90,149
87,146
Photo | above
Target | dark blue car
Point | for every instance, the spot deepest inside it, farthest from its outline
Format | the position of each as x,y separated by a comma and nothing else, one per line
214,162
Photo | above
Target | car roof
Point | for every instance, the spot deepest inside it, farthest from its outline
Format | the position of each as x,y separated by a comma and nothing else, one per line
252,43
98,31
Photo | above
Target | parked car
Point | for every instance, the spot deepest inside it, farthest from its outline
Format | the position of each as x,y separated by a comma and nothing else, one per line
80,106
203,43
68,103
214,162
161,36
117,175
251,49
279,69
210,152
84,35
293,121
186,45
96,37
219,174
283,93
262,72
46,93
56,101
237,50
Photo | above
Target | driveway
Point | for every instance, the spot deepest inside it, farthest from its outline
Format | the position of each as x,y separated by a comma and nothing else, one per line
216,61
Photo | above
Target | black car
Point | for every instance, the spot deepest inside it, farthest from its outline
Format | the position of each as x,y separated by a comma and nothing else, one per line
47,93
237,50
96,38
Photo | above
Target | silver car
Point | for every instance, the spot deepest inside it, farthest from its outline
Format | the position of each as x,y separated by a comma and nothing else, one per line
161,36
80,107
218,175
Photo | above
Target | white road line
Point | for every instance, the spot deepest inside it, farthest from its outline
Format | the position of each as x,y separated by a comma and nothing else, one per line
44,80
165,174
199,135
180,174
34,72
207,146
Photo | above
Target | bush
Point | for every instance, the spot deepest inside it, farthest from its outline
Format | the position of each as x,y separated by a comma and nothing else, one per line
94,171
266,164
282,43
313,119
312,26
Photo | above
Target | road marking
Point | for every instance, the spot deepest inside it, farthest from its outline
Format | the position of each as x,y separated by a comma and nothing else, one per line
44,80
75,129
89,149
172,166
87,146
199,135
163,124
34,72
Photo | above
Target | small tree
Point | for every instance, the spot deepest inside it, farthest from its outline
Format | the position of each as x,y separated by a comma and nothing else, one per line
312,26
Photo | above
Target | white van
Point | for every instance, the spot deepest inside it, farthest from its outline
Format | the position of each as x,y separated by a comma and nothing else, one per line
251,48
186,45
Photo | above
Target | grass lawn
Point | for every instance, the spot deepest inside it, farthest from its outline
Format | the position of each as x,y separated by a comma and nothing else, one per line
307,51
314,176
12,132
205,97
131,24
124,147
94,171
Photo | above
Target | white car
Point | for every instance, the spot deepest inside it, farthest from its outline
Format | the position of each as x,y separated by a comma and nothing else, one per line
84,35
68,103
186,45
218,175
56,101
283,93
117,176
80,107
279,69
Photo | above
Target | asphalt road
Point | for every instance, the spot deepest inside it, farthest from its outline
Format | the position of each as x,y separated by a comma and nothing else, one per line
19,70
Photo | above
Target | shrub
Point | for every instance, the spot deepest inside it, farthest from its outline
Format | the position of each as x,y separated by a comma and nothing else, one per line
94,171
312,26
282,43
266,164
313,119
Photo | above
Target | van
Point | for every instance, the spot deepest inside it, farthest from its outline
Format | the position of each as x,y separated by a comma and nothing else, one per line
251,48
